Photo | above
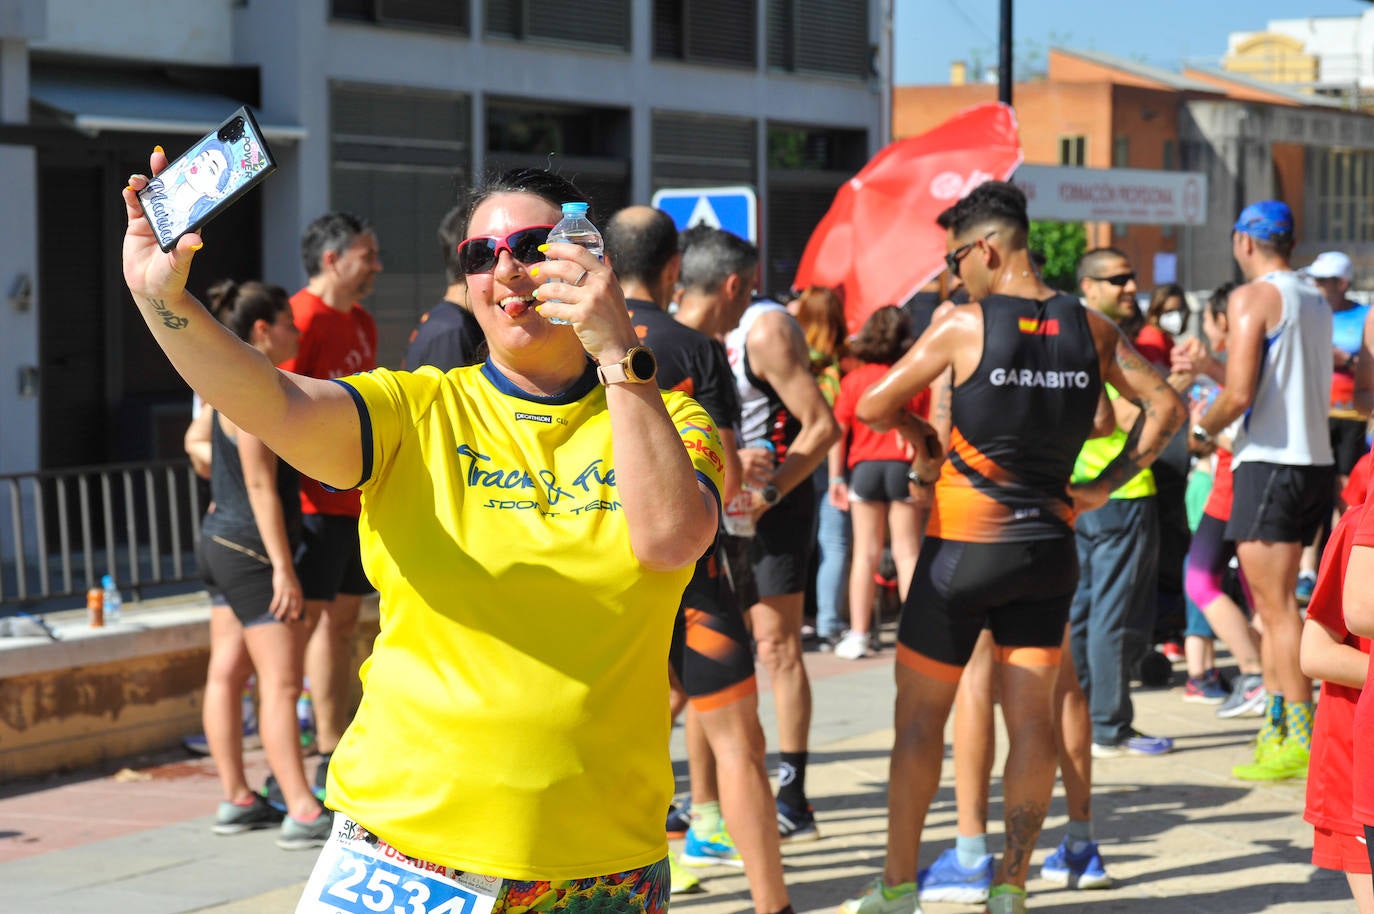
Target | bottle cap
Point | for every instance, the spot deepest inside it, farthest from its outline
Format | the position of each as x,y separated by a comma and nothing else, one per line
574,209
107,581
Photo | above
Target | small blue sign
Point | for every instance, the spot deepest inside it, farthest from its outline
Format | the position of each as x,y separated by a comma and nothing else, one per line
734,209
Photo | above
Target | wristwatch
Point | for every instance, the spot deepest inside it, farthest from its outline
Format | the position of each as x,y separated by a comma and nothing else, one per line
770,494
913,478
1201,435
638,367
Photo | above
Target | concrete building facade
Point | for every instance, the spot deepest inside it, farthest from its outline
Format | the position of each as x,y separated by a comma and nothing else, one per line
388,109
1253,141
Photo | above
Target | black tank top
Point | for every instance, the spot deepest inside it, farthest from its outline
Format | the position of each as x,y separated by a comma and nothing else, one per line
232,518
1019,422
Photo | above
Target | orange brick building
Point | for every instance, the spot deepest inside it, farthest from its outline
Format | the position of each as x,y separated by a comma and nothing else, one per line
1101,111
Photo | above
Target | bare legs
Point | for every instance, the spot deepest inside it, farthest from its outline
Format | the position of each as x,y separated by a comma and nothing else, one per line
275,650
329,664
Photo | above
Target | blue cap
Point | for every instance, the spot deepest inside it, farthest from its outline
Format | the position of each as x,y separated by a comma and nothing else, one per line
1266,220
575,209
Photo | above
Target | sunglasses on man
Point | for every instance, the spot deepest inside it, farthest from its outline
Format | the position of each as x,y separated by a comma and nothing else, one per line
480,253
1119,280
954,257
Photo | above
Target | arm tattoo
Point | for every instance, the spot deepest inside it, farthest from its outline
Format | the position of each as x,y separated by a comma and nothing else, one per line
1130,461
169,320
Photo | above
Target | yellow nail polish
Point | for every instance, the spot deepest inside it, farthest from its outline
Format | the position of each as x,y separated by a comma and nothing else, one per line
127,187
543,248
534,272
159,149
197,247
539,309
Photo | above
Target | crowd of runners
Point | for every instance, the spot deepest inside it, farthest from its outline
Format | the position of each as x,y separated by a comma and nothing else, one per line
576,525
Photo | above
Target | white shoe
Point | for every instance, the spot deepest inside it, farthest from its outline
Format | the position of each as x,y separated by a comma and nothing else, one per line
853,646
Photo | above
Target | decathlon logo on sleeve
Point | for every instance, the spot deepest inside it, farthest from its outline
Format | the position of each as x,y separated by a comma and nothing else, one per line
1025,377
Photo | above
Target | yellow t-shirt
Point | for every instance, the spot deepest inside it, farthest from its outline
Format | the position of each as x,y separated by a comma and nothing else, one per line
514,719
1097,453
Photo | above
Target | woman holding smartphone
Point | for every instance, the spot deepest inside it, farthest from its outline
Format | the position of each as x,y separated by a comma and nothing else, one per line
530,524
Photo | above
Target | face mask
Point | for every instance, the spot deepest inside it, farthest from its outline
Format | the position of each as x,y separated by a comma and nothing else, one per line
1172,322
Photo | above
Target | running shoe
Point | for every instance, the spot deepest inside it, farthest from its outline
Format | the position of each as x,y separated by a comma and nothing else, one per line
1247,698
1307,583
232,819
271,792
1172,651
1006,899
1136,743
797,824
199,745
1082,870
717,850
877,898
300,836
681,882
947,880
853,646
678,821
1205,689
322,775
1286,763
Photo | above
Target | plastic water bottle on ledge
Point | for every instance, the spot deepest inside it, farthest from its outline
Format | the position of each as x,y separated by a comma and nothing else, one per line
113,602
576,228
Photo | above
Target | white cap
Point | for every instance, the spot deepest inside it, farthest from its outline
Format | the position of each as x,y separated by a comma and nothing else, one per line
1330,265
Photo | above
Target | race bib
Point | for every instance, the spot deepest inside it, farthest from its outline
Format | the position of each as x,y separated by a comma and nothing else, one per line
357,873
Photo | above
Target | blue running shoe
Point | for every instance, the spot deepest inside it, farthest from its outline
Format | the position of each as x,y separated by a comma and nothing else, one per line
946,880
796,824
718,850
1083,870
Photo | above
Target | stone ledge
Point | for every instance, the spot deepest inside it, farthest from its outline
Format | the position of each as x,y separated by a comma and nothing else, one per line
163,626
100,694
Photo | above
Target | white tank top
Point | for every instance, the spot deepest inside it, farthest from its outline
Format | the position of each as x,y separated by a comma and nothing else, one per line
762,414
1286,423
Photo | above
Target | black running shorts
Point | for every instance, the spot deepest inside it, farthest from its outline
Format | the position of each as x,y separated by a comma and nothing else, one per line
1274,503
783,541
711,652
879,480
1021,591
329,561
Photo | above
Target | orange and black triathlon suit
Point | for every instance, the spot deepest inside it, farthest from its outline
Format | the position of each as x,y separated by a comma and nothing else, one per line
999,550
711,651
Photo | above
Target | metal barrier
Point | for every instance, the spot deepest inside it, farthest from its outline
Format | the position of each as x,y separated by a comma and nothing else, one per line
136,521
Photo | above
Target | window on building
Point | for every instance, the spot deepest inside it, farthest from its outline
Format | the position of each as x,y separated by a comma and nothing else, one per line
1121,152
698,150
1073,150
806,165
707,31
400,158
1170,155
600,23
828,37
1339,195
590,146
450,15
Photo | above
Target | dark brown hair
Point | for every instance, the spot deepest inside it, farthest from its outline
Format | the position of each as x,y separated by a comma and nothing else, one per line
883,338
240,306
820,311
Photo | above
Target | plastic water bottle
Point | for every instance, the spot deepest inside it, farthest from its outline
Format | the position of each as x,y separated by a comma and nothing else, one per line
112,600
305,715
250,710
576,228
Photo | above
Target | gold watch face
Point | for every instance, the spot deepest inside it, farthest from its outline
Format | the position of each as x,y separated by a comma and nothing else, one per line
641,363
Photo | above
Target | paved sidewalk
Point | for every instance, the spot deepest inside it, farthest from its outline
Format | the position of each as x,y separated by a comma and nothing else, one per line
1177,832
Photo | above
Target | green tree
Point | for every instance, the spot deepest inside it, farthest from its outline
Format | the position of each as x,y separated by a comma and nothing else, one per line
1061,244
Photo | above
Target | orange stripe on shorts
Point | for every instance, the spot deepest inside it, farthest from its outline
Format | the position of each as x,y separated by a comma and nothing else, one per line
1027,656
726,696
944,672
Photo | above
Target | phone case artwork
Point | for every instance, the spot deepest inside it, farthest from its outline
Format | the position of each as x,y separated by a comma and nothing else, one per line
221,167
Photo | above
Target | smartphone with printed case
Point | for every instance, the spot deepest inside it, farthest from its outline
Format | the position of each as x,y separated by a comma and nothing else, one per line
219,168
